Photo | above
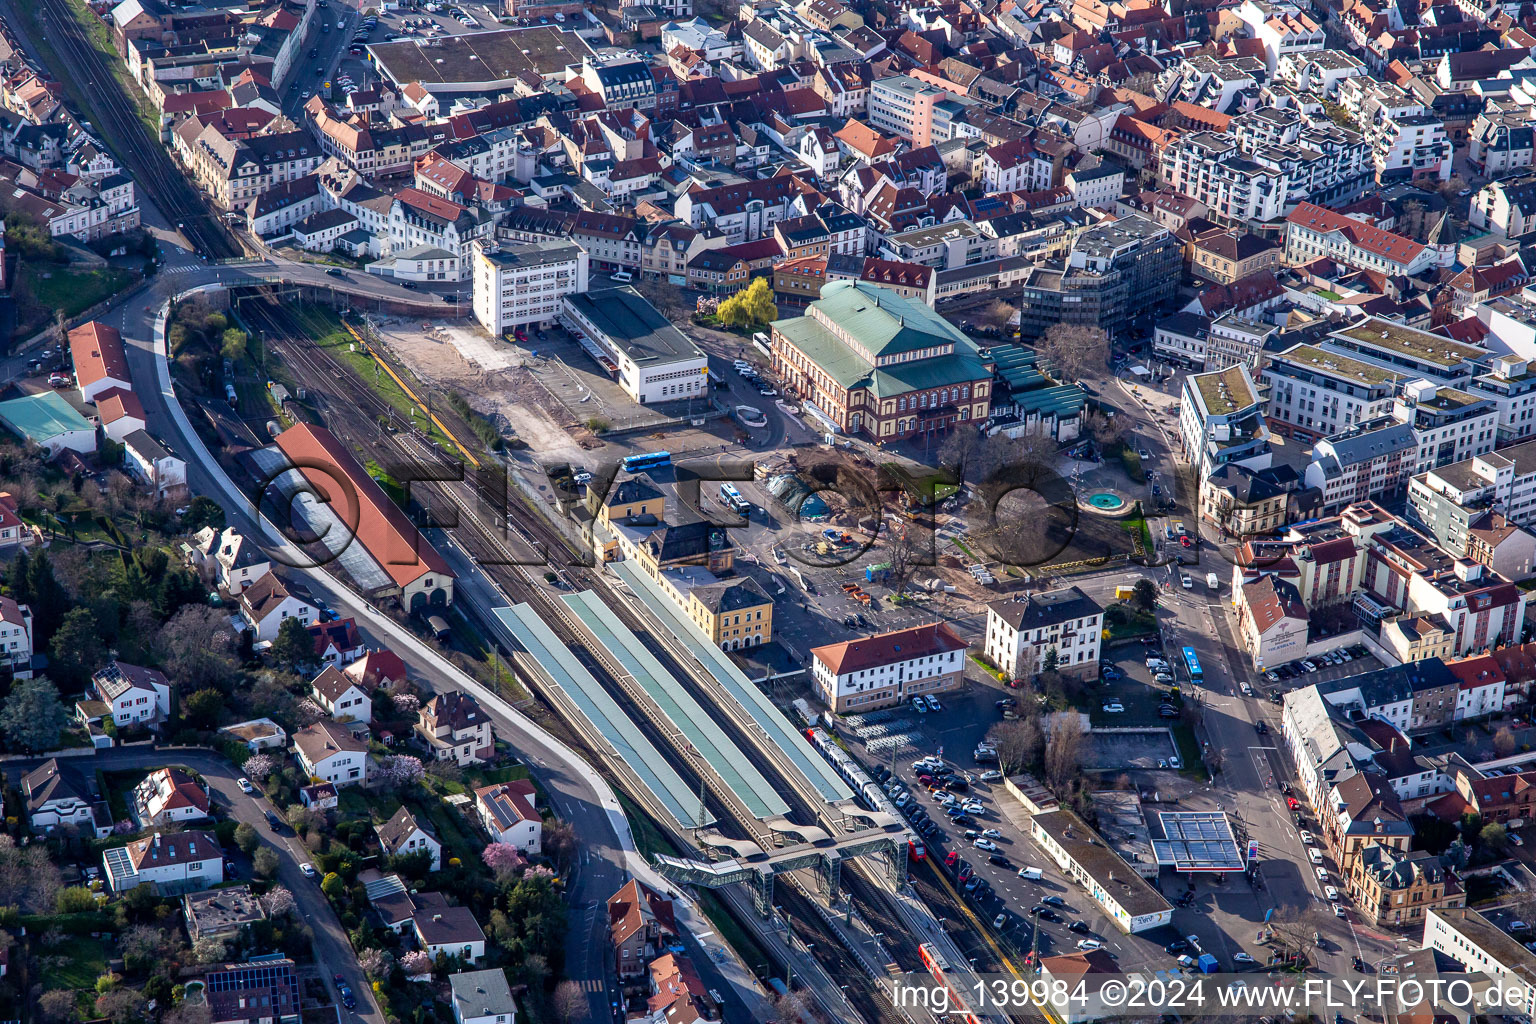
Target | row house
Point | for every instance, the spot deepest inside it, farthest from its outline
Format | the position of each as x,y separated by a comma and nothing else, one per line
236,171
373,149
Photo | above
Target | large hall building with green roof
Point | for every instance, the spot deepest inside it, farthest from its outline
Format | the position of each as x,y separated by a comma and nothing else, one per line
865,360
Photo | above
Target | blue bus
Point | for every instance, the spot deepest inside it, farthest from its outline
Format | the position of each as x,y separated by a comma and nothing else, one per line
1192,663
652,460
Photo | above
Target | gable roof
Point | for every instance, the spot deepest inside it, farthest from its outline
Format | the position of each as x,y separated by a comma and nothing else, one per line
97,352
888,648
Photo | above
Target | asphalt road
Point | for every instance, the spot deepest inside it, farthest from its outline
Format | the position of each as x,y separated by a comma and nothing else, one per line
332,949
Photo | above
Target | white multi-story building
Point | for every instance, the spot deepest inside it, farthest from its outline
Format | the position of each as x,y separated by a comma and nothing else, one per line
1213,170
655,361
1320,71
1315,393
888,668
16,637
173,863
1405,138
1449,424
1282,28
1482,947
329,752
1021,632
1221,421
507,814
516,285
1312,232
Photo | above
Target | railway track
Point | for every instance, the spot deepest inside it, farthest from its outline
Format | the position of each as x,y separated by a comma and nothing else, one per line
153,169
339,393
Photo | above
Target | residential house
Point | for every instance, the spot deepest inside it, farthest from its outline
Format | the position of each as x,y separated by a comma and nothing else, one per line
482,997
134,695
337,642
1022,632
169,795
340,696
268,602
221,913
456,729
331,753
640,926
405,836
506,811
173,862
452,931
57,796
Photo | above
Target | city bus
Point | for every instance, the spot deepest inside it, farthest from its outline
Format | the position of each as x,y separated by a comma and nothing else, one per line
1192,663
731,498
650,460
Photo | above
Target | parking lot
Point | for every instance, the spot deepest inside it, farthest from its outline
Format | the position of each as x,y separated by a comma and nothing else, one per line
1288,677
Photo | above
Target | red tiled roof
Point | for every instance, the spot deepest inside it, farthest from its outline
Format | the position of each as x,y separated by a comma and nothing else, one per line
379,524
1365,236
98,354
888,648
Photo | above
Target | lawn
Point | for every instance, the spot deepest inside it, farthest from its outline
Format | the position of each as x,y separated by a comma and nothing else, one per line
328,332
1189,752
73,291
86,961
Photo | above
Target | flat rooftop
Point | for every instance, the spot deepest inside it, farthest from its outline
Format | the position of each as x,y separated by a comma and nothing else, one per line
1225,391
1409,341
634,326
1108,871
495,56
1196,841
533,254
1338,365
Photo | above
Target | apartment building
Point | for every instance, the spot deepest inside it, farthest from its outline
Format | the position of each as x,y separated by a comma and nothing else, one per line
743,212
234,171
888,668
1213,170
517,285
1245,502
1409,351
1314,232
1447,500
1372,459
1234,340
1511,387
903,105
1449,424
1282,28
1480,945
1021,633
1221,421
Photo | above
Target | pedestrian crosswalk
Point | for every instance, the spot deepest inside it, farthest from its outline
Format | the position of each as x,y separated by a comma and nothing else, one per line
186,268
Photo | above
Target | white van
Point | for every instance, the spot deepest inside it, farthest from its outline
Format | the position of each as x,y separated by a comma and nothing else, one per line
622,276
1030,873
1316,854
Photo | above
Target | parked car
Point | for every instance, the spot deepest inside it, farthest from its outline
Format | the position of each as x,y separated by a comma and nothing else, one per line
245,786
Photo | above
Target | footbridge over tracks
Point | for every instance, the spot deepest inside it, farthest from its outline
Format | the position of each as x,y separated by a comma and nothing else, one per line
756,868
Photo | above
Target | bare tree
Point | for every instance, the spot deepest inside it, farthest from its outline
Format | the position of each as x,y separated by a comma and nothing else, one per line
1296,929
1075,351
1064,752
57,1007
569,1002
1504,741
1107,431
901,557
1018,743
198,646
